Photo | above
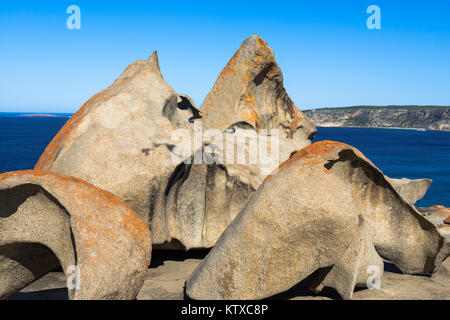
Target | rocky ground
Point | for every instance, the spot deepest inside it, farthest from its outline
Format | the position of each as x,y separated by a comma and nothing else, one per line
170,269
439,216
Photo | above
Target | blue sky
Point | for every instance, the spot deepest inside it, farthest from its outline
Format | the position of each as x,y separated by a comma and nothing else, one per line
328,55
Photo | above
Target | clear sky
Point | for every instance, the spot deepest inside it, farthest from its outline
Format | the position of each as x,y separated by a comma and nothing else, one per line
328,55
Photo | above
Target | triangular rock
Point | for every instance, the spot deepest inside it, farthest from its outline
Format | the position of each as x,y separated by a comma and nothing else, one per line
247,97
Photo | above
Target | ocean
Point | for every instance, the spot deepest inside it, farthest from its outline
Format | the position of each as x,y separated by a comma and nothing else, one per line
398,153
23,139
401,153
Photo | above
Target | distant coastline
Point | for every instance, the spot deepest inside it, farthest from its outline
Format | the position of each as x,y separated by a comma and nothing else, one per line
35,115
384,117
41,115
390,128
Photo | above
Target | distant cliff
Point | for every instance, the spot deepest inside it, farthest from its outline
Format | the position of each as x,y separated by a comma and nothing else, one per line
416,117
42,115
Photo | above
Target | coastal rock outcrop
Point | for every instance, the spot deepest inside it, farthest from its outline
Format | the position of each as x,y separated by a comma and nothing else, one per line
301,222
47,220
120,141
250,91
439,216
410,190
248,100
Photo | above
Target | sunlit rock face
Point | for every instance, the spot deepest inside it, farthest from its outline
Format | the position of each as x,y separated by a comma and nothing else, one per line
249,126
122,140
328,213
411,190
249,93
47,220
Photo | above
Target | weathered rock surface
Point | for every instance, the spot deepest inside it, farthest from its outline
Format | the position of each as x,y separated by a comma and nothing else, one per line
249,94
120,141
304,219
247,97
395,286
165,281
352,268
436,211
440,217
47,219
202,202
410,190
443,273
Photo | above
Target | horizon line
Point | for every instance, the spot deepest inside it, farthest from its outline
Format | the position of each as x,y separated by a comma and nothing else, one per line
301,109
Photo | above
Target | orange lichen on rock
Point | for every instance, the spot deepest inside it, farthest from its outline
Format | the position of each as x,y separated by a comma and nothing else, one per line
314,153
257,94
112,244
252,117
58,142
328,209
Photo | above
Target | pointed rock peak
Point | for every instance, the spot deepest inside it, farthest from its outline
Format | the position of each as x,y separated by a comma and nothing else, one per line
250,89
151,64
253,55
257,46
154,62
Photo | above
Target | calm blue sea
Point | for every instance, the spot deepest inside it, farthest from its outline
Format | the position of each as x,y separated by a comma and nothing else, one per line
23,139
403,154
398,153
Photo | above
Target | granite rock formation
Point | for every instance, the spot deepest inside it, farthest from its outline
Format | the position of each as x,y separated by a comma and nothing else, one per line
439,216
121,141
247,101
410,190
301,222
47,220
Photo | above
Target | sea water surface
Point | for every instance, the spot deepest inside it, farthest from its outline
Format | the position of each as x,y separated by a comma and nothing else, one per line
23,139
398,153
403,153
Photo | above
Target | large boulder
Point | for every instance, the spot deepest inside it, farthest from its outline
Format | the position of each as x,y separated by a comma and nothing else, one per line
47,220
120,141
124,140
411,190
323,214
247,101
249,95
